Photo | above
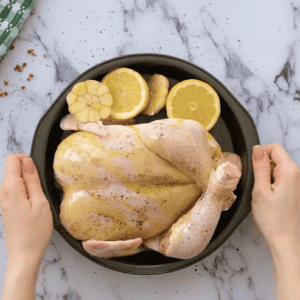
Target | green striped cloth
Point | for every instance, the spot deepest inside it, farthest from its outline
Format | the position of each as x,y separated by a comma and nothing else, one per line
13,15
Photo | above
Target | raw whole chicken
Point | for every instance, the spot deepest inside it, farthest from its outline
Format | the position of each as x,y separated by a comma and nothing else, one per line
162,185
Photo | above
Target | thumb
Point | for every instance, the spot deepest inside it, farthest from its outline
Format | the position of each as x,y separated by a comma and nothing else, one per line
31,178
261,168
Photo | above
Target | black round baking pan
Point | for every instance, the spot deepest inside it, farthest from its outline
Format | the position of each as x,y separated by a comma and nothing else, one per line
235,131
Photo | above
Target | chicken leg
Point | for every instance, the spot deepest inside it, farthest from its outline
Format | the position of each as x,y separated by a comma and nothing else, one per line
190,235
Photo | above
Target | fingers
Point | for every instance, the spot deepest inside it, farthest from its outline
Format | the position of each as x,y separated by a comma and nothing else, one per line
13,188
32,181
262,169
283,161
15,168
12,191
278,154
13,165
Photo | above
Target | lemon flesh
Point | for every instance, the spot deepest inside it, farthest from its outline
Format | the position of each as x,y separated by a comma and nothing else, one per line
194,100
129,91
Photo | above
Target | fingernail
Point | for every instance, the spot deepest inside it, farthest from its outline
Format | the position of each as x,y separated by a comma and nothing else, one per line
258,153
29,166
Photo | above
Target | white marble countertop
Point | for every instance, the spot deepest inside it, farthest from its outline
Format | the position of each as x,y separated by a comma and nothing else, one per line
253,47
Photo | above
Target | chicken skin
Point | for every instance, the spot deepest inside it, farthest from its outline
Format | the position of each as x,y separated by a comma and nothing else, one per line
162,185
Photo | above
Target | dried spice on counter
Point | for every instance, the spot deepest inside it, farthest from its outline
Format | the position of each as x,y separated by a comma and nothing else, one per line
31,51
18,68
30,76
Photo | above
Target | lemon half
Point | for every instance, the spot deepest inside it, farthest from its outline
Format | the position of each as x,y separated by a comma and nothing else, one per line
194,100
130,93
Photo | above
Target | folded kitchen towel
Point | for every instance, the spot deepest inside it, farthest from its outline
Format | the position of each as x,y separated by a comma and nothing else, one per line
13,15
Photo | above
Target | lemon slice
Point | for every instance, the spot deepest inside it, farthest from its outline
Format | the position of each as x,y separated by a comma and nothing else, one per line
158,91
130,92
89,101
194,100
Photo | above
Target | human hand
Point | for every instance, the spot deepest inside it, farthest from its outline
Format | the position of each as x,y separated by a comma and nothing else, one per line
276,207
26,214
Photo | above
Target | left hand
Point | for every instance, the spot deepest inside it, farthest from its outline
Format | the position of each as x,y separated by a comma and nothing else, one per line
25,211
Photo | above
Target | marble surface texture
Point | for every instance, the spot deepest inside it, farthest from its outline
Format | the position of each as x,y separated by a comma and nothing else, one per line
253,47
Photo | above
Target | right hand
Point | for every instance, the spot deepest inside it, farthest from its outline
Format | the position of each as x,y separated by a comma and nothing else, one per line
276,207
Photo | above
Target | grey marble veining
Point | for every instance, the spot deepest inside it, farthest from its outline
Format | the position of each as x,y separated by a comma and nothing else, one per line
252,47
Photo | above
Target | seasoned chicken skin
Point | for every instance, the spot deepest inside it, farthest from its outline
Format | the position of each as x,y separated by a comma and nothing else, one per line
130,184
